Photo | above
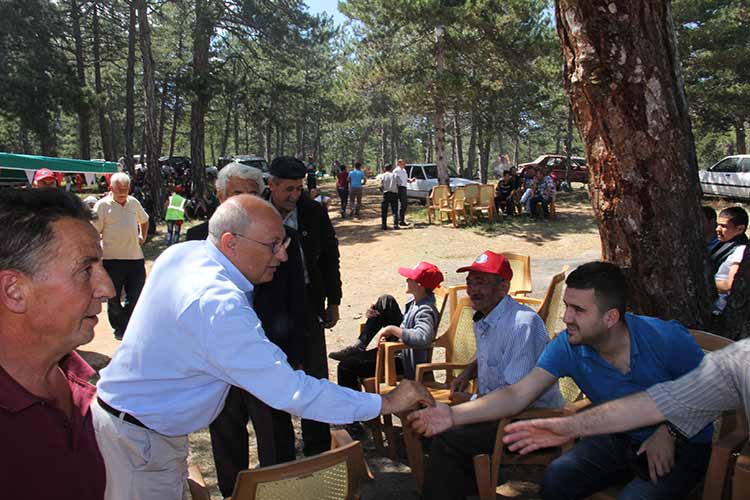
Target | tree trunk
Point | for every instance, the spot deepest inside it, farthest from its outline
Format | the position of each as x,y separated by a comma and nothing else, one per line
268,140
236,123
225,132
152,155
471,163
624,83
129,93
442,167
739,134
104,124
162,116
458,137
84,113
201,41
177,101
485,141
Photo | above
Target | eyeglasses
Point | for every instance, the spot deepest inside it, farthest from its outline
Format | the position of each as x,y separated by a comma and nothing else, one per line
274,247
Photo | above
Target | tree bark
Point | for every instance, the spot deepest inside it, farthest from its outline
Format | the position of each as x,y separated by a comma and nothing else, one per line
471,163
130,93
152,155
202,94
177,102
84,113
622,74
458,137
104,124
442,168
739,134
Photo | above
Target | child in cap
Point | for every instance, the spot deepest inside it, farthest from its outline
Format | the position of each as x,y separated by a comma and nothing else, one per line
416,328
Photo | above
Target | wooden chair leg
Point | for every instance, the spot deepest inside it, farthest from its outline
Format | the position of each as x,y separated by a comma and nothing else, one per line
483,474
376,429
390,436
413,444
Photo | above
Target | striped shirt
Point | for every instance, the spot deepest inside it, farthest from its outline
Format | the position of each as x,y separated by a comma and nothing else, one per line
721,382
509,341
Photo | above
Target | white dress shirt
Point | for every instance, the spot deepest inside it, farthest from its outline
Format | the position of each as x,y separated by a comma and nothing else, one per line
194,333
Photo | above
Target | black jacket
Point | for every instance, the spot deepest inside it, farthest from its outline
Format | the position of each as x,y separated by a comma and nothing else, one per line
321,250
280,303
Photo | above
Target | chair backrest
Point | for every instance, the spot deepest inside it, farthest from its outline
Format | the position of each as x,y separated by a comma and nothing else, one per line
552,309
472,192
462,345
486,194
332,475
441,300
459,198
439,193
708,341
521,266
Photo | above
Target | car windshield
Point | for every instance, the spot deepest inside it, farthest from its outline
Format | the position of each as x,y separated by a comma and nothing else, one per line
431,172
261,164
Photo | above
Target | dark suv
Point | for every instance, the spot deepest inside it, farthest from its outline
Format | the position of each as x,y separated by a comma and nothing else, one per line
577,172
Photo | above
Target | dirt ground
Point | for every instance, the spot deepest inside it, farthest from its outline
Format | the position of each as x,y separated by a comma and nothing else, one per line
369,261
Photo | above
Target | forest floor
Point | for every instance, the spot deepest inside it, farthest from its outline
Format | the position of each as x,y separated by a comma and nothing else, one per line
369,261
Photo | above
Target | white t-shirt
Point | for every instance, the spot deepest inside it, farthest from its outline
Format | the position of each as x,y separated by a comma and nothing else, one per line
734,258
403,177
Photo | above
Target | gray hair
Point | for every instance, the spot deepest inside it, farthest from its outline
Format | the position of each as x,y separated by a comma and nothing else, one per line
119,178
239,171
230,217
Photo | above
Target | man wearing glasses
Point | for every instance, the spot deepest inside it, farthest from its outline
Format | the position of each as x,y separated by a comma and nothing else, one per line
187,344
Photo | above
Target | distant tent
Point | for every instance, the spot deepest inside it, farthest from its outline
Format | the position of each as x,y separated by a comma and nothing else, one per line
20,168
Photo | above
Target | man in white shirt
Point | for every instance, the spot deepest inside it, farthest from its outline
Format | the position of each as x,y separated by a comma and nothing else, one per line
123,225
390,185
727,255
193,336
403,180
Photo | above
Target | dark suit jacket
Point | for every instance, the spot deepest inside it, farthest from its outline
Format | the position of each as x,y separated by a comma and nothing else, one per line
321,251
280,303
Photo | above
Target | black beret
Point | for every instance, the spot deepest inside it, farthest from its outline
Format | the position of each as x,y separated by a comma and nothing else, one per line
287,167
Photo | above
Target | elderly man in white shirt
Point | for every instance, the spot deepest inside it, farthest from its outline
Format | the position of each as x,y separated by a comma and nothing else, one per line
193,336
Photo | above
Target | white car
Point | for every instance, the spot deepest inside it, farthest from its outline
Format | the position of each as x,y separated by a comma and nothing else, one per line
729,178
425,178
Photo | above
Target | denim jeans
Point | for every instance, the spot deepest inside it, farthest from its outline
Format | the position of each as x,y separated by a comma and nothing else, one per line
599,462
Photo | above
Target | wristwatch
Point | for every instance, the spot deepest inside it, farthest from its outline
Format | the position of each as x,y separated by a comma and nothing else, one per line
674,431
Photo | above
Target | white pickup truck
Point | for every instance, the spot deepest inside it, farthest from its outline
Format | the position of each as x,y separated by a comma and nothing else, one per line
425,178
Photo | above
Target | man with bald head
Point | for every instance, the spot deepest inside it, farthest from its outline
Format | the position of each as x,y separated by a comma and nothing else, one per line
187,345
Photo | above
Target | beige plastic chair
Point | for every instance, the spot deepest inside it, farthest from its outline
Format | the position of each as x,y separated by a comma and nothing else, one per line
486,202
456,207
332,475
437,199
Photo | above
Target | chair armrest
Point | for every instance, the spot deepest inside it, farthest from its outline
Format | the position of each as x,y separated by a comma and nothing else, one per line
423,368
529,301
391,348
196,484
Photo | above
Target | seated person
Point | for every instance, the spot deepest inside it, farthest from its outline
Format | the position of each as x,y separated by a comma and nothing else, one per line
503,192
727,255
609,354
531,189
544,195
416,328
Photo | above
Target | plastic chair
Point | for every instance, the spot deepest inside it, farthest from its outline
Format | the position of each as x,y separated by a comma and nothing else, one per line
437,199
456,207
486,202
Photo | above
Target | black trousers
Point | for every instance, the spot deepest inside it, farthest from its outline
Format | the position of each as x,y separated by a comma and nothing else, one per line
230,439
402,204
351,370
344,197
389,199
129,275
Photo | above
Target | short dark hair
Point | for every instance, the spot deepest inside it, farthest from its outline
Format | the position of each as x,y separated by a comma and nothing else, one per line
709,213
608,282
358,164
388,167
26,217
737,215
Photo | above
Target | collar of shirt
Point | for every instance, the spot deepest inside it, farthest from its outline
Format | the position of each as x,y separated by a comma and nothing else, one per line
291,220
14,397
235,275
483,322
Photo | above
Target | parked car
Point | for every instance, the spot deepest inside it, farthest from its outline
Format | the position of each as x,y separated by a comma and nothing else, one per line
578,171
252,161
425,178
729,177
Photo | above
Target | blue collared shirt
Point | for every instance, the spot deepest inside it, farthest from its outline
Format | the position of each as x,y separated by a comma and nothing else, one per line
659,351
509,341
194,333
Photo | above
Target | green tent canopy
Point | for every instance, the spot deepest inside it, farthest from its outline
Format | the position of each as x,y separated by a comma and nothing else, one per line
31,163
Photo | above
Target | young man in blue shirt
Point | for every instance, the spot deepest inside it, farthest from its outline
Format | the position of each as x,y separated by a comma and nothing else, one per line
357,181
609,354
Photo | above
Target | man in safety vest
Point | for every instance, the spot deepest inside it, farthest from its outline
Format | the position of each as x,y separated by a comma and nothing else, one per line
174,215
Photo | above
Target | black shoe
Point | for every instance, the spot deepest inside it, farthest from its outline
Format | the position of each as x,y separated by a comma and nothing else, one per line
404,223
384,228
118,335
396,226
355,430
347,352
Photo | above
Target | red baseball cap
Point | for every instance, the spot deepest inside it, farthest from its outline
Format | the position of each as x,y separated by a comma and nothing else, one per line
490,263
426,274
44,173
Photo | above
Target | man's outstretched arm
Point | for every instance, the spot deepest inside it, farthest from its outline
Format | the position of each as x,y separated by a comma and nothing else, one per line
637,410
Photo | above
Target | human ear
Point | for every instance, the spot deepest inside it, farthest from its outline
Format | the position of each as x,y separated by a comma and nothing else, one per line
13,290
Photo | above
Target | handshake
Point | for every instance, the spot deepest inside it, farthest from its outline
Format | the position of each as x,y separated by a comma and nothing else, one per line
408,395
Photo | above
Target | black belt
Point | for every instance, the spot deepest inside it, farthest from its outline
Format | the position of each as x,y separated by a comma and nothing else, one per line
127,417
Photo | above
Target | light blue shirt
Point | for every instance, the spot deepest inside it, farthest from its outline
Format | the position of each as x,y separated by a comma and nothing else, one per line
356,178
510,339
194,333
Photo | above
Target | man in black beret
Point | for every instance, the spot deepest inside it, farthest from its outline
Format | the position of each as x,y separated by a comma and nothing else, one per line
320,251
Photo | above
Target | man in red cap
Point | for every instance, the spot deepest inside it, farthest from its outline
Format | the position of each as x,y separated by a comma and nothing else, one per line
510,338
44,178
416,328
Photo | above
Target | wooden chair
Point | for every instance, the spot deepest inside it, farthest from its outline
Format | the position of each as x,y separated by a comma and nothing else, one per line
456,207
485,202
437,199
472,197
729,438
520,285
332,475
386,379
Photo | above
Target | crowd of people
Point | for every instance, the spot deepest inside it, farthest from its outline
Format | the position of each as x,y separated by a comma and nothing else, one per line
520,193
229,329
